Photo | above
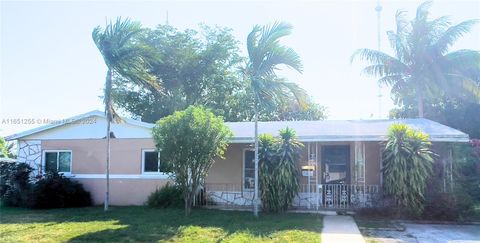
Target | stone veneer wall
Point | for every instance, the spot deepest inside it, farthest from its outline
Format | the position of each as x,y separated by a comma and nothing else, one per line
302,200
230,198
30,152
237,198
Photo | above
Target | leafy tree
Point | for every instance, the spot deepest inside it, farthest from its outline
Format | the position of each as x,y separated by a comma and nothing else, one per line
189,141
285,108
126,57
202,69
265,55
199,68
422,66
407,165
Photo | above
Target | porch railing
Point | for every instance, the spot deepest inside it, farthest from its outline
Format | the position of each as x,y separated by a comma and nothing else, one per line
337,196
314,196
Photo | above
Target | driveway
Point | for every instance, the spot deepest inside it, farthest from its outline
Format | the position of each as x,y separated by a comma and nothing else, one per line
426,233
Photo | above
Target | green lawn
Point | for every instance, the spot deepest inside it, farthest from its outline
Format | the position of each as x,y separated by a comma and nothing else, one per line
134,224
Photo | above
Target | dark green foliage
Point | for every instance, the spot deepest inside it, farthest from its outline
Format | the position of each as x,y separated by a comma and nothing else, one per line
467,168
166,197
278,173
14,183
287,174
407,165
456,113
189,141
448,206
57,191
268,161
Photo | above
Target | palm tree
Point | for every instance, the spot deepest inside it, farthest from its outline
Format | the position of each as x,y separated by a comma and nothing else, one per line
422,64
126,57
266,55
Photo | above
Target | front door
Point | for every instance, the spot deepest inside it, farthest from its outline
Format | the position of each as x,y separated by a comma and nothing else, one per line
335,164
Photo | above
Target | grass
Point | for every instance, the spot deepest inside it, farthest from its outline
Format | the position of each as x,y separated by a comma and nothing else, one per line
142,224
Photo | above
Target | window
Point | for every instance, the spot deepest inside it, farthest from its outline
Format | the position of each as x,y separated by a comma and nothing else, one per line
151,162
249,169
58,160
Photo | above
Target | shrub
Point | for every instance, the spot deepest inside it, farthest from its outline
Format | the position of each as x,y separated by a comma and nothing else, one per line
448,206
278,173
14,183
57,191
165,197
407,165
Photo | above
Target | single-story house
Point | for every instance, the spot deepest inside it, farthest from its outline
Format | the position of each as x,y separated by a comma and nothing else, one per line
340,166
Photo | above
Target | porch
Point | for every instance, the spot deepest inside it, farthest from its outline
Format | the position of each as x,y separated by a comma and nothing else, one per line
332,175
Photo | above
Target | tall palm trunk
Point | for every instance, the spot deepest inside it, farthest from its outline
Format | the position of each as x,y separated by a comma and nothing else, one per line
255,195
108,88
420,103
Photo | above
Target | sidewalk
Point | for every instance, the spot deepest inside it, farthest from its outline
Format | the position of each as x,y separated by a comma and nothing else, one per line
337,229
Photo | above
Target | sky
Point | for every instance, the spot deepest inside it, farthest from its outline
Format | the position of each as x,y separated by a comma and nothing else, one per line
51,69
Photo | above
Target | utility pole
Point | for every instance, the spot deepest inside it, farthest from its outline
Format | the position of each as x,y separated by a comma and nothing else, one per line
166,21
378,9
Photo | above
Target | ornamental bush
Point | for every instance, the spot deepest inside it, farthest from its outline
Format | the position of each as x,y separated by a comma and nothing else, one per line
168,196
14,183
407,165
278,174
58,191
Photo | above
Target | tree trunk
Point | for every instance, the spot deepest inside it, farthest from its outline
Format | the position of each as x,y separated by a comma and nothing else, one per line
420,103
108,88
255,195
188,203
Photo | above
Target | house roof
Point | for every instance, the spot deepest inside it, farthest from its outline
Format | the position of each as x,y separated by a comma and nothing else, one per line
328,130
346,130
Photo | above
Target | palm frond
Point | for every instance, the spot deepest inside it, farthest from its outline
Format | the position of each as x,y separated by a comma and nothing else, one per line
423,11
472,87
270,34
452,34
281,55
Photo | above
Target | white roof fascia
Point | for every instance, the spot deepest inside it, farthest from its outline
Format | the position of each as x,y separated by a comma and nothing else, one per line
74,119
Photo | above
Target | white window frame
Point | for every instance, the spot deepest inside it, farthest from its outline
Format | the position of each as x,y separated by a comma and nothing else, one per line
143,163
58,157
243,170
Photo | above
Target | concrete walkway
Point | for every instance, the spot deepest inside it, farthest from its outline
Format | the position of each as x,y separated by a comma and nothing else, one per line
337,229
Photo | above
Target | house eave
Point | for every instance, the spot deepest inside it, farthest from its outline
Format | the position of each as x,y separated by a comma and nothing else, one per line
373,138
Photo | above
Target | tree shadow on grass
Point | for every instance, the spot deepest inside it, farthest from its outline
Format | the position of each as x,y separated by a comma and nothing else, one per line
146,224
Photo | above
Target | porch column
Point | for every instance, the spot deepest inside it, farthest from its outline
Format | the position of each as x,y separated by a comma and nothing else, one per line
359,167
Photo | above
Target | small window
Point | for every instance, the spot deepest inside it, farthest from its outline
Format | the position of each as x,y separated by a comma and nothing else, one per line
249,170
58,161
151,162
